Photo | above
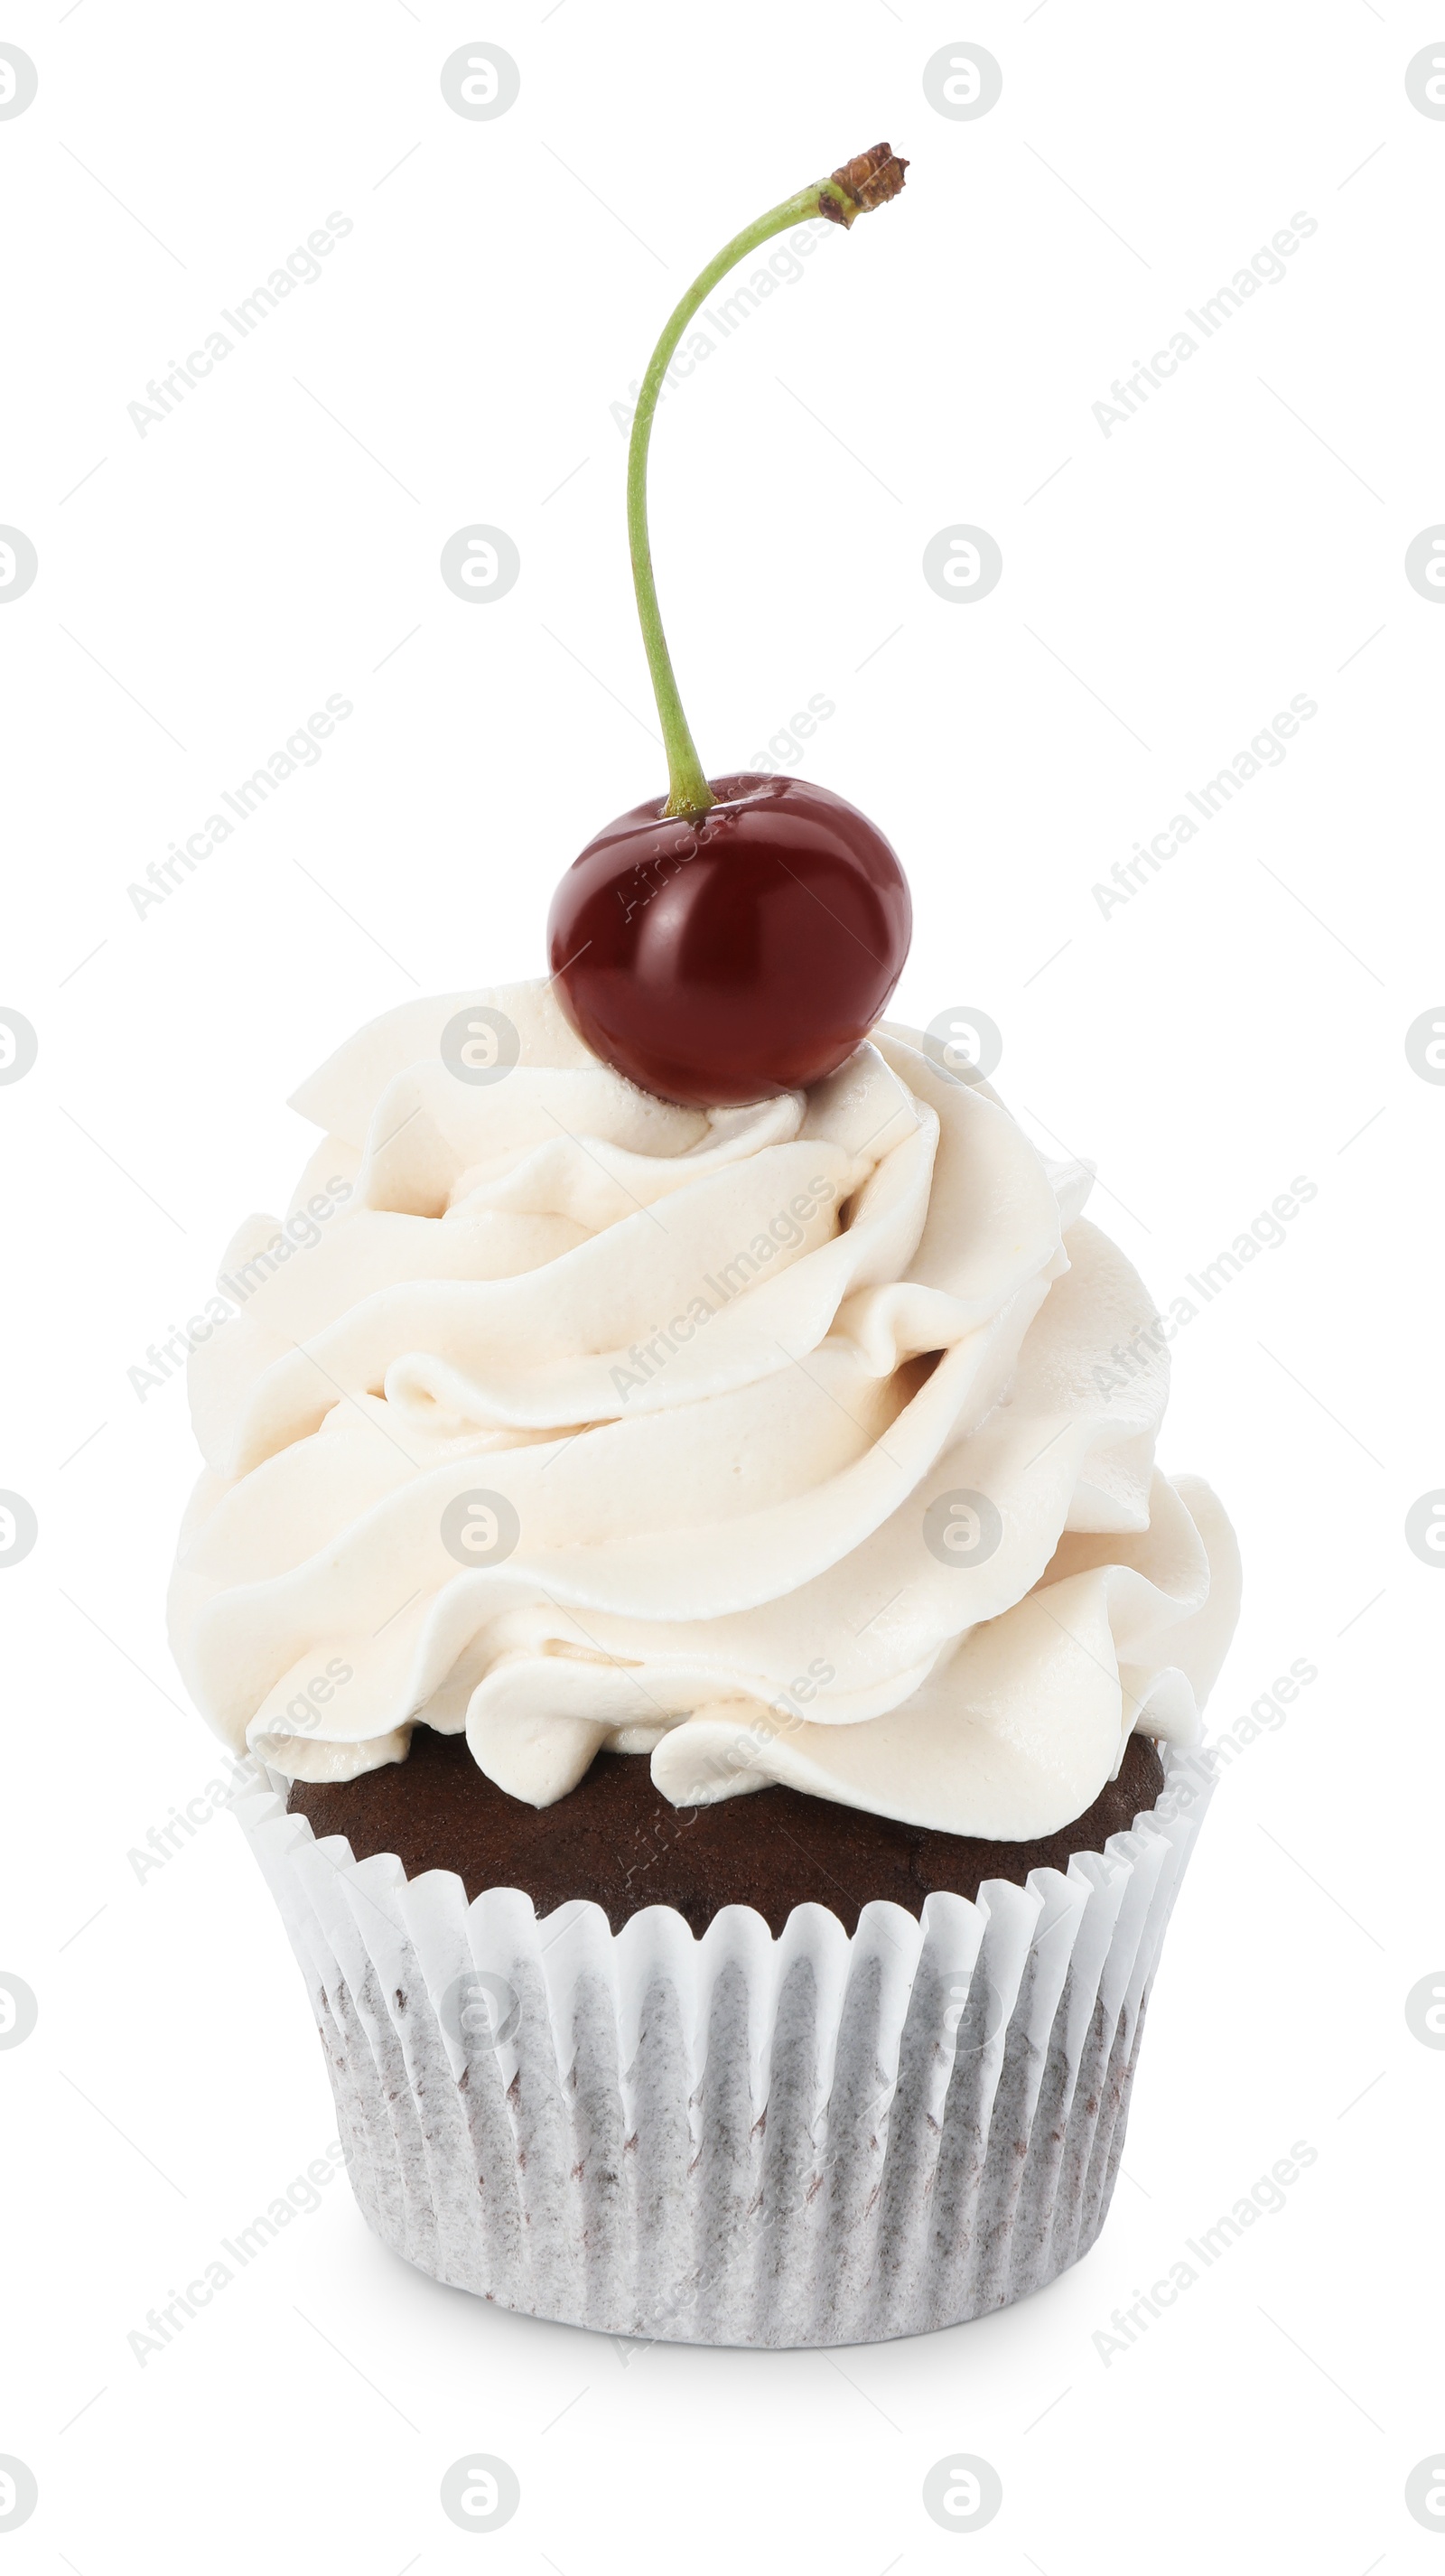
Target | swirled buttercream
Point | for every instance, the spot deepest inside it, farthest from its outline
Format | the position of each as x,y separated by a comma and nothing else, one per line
803,1451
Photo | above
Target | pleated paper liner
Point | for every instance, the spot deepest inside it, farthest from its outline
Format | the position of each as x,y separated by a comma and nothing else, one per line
737,2139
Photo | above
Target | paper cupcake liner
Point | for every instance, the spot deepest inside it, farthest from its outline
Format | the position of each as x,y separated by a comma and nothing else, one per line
737,2139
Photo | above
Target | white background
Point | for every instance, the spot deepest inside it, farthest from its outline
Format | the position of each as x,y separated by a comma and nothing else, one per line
1240,1021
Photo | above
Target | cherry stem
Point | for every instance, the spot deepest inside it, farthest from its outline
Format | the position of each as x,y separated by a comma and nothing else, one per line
688,790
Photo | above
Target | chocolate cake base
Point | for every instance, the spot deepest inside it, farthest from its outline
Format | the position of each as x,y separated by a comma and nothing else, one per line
615,1839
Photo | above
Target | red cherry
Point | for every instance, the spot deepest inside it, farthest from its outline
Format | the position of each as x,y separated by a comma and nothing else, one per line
720,958
742,937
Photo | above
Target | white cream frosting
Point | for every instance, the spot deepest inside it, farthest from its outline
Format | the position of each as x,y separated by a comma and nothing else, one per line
718,1363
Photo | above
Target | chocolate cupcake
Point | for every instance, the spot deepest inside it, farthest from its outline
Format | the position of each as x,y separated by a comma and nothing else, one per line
699,1587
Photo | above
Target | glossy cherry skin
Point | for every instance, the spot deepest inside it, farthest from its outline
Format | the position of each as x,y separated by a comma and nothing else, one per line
719,961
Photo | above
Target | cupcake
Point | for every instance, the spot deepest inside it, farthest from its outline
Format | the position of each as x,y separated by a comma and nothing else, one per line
700,1589
682,1550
